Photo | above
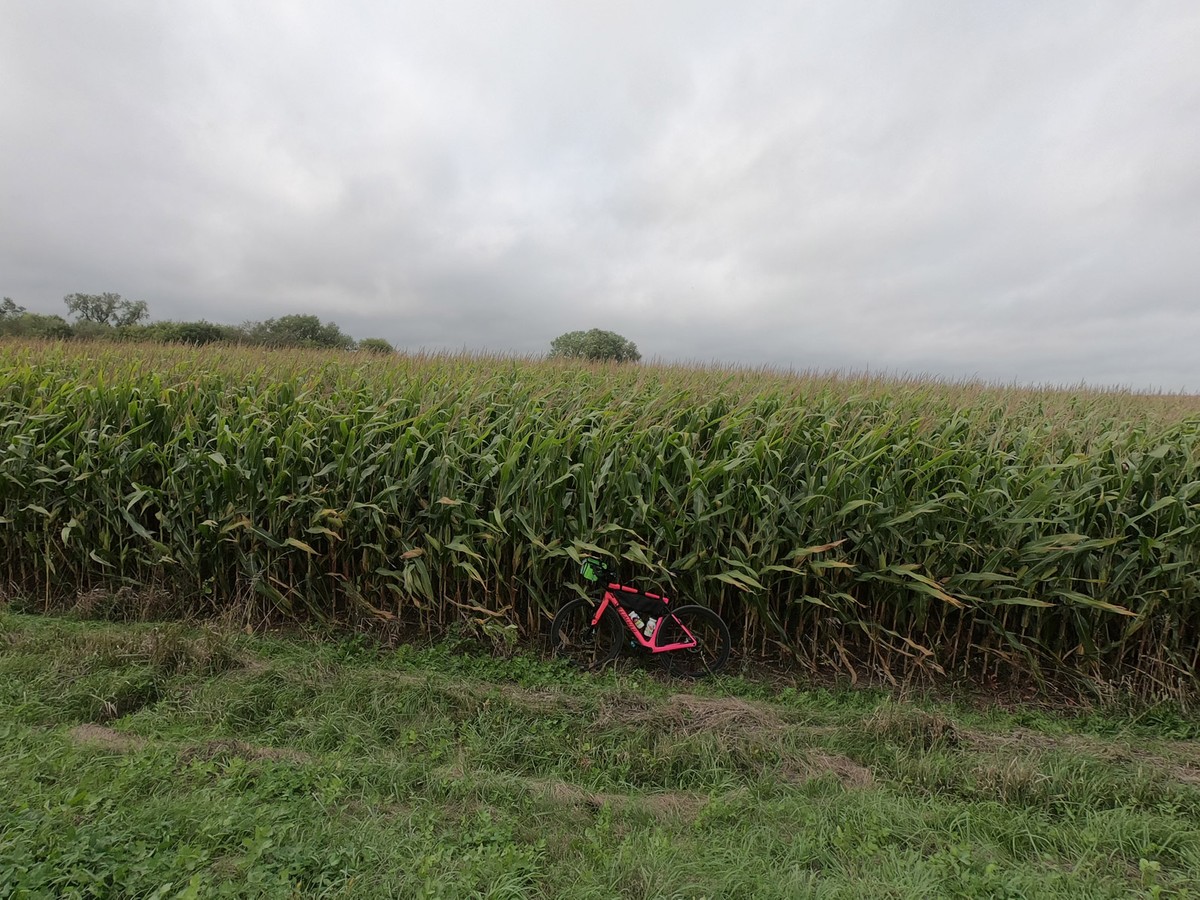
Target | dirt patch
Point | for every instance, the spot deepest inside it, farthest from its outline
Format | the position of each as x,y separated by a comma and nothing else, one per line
1023,740
543,700
687,714
914,727
100,736
1185,768
819,763
252,666
623,707
453,772
1186,774
674,805
226,749
720,714
568,794
404,679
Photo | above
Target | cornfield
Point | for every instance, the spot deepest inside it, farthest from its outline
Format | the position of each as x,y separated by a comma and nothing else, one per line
889,528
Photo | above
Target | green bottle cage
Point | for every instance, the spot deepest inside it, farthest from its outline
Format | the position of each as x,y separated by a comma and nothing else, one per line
591,570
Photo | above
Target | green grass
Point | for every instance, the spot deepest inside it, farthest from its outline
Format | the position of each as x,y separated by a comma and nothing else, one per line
161,760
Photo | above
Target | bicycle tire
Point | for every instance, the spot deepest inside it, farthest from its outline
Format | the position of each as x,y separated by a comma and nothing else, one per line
712,634
573,638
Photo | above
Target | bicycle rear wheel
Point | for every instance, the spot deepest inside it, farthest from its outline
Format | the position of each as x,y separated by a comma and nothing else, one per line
712,642
573,638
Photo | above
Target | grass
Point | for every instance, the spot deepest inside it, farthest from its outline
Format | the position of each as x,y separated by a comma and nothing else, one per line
164,760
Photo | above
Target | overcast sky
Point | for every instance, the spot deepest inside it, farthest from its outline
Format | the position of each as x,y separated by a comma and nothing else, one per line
1005,190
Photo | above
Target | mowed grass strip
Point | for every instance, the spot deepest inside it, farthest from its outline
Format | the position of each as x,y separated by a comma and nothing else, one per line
160,760
886,529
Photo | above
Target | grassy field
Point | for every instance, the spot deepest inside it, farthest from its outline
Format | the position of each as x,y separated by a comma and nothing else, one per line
160,760
851,529
896,530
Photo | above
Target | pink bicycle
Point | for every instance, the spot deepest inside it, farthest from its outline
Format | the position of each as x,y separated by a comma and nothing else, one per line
690,641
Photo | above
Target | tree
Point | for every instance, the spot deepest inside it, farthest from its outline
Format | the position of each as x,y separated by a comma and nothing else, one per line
106,309
16,321
32,325
595,345
194,333
10,310
298,331
376,345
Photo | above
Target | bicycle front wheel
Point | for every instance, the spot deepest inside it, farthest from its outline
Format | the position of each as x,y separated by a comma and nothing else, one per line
574,638
712,642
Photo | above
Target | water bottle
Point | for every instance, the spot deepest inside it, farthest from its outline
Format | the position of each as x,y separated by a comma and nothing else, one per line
649,631
637,621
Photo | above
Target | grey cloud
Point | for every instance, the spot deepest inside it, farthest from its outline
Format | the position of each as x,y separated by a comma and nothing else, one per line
1003,191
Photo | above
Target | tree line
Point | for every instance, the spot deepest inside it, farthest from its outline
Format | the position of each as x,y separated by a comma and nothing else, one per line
110,316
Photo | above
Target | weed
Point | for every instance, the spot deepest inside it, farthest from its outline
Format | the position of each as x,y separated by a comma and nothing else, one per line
334,769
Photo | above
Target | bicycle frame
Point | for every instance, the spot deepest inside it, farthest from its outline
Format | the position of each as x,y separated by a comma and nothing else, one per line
651,644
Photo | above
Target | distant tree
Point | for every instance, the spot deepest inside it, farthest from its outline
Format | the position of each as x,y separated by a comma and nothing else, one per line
87,330
376,345
106,309
32,325
193,333
16,321
297,331
596,345
10,310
